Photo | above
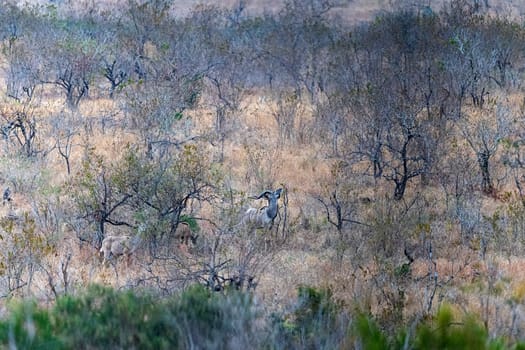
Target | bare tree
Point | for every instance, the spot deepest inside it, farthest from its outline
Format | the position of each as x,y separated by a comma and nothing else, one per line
393,105
21,129
70,60
64,128
483,132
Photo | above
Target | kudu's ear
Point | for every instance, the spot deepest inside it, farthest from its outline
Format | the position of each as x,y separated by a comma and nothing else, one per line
277,193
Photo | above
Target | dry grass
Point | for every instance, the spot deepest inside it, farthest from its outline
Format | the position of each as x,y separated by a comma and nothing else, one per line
306,260
300,169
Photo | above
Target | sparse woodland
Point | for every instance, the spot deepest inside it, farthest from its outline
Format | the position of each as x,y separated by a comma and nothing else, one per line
398,142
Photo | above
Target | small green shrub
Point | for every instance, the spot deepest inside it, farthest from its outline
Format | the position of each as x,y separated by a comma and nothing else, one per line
370,336
102,318
447,333
441,332
318,322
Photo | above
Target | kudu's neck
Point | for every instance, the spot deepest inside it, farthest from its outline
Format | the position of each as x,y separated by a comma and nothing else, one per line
271,211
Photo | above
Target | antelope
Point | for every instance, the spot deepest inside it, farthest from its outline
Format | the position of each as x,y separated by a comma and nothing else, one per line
184,234
263,217
115,246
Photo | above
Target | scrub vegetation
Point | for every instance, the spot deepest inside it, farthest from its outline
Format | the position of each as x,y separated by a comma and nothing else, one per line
386,147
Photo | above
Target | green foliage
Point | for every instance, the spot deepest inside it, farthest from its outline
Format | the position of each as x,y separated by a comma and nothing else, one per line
99,318
148,194
24,246
102,318
197,318
317,322
192,223
29,327
442,332
448,334
162,188
369,333
403,270
315,306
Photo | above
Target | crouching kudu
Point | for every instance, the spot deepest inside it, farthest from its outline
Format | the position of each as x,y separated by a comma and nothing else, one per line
184,235
116,246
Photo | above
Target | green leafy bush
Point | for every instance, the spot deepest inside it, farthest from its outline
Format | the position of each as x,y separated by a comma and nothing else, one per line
29,327
102,318
318,322
441,332
447,333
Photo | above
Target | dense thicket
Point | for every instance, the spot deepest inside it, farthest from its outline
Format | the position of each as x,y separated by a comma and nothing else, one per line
417,112
391,93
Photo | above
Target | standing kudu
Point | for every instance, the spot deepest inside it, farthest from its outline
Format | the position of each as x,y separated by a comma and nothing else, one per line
263,217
